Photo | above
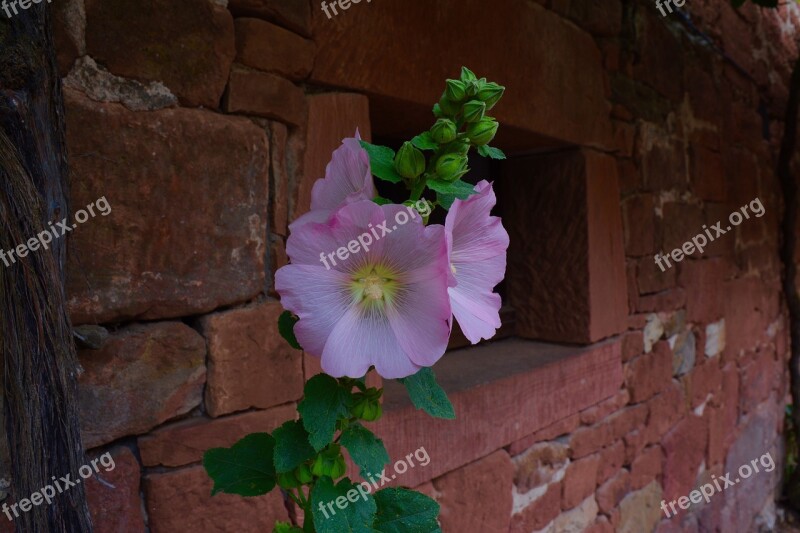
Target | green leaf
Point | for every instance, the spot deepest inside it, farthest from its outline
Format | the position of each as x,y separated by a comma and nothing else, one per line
381,161
493,153
367,450
405,511
427,395
324,402
286,324
448,191
381,200
245,469
285,527
356,517
291,446
423,141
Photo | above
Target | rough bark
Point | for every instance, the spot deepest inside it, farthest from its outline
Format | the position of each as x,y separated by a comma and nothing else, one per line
39,358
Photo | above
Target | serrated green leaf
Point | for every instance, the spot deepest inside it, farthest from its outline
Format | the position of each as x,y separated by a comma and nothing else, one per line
491,152
427,395
291,446
367,450
460,189
324,402
405,511
423,141
286,324
285,527
381,162
356,517
245,469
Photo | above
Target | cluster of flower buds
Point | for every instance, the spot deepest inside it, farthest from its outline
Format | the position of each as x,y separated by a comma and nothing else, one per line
461,123
367,404
330,462
299,476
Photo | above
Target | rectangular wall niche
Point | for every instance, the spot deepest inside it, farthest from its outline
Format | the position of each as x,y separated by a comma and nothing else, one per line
566,264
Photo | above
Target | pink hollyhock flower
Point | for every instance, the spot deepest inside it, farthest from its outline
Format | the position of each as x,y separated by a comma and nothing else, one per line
347,179
385,304
476,247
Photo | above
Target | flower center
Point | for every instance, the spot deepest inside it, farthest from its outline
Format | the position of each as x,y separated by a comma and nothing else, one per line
373,285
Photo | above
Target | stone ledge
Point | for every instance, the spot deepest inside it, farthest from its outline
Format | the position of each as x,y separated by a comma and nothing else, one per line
502,392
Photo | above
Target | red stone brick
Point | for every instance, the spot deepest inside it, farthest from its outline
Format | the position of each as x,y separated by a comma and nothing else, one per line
666,409
681,221
704,380
635,442
669,300
703,281
626,420
249,363
707,173
187,228
759,378
540,465
684,449
613,491
650,278
638,215
292,14
268,47
603,409
632,345
266,95
649,374
580,481
601,525
586,440
577,112
562,427
539,513
155,370
188,46
331,118
655,65
116,504
611,461
646,467
180,500
185,442
277,259
279,178
467,505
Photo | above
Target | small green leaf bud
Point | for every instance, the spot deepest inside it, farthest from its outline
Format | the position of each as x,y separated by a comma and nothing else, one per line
450,167
490,94
456,90
467,74
474,110
303,474
482,132
409,162
444,131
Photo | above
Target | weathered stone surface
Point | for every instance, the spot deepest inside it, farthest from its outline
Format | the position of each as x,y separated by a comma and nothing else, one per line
653,331
144,375
485,506
279,178
116,504
249,363
640,511
292,14
102,86
638,212
684,450
649,374
578,519
268,47
558,429
187,45
646,467
576,293
331,118
610,493
170,495
539,511
185,442
544,463
580,480
715,338
251,92
703,281
683,347
556,51
187,228
69,26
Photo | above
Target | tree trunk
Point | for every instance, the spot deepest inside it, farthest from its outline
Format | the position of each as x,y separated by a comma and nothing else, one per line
39,358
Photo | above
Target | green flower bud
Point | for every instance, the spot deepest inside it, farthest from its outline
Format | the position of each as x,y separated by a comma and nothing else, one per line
447,107
288,480
409,162
450,167
490,94
303,474
474,110
444,131
329,462
482,132
456,90
368,404
467,74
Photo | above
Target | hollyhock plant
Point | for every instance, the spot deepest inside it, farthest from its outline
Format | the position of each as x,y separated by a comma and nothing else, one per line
476,247
372,285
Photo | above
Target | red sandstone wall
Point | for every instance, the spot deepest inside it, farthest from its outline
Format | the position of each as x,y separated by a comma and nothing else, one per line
205,169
